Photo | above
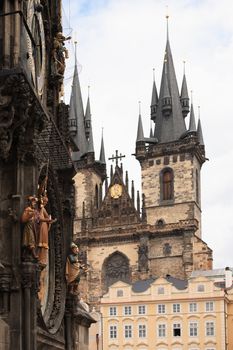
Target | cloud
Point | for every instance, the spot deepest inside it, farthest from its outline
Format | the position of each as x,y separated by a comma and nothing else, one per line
119,43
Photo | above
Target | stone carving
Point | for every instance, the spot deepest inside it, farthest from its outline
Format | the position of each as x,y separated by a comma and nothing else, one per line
143,257
59,53
21,117
116,268
74,269
30,219
167,249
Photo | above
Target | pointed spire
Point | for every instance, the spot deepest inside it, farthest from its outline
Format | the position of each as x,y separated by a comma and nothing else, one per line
88,116
154,99
138,202
90,148
132,191
192,123
166,96
184,98
76,114
127,181
140,133
199,129
170,124
102,158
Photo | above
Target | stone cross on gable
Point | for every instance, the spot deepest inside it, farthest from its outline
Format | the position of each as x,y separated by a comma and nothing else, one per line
116,157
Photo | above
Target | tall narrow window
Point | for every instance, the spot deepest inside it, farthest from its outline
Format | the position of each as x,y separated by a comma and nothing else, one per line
197,187
167,184
96,197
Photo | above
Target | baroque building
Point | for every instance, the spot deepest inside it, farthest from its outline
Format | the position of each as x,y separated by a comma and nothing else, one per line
128,239
169,313
36,310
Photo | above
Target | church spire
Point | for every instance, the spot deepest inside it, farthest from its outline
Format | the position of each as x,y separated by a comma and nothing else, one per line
170,123
76,115
102,151
192,123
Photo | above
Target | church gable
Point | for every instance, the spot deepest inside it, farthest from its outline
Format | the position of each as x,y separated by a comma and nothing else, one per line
117,207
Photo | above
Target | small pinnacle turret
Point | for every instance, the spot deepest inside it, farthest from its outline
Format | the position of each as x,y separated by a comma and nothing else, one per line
87,119
199,129
192,123
154,100
102,158
184,98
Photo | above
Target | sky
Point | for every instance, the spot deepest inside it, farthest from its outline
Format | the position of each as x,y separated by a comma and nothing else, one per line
119,42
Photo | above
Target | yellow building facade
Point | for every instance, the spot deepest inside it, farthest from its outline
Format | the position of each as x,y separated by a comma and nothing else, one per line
169,314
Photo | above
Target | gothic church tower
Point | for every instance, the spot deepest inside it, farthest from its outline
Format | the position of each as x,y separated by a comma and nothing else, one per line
90,172
161,234
171,159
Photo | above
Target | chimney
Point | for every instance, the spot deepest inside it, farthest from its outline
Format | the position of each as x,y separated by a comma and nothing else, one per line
228,277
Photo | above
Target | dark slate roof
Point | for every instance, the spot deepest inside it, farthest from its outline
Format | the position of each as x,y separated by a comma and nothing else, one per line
172,127
176,282
142,286
199,133
184,89
77,113
192,123
140,134
102,158
154,98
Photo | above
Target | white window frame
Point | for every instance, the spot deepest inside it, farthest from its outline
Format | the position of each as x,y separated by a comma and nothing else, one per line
208,328
208,308
174,326
162,330
113,331
193,329
193,307
161,308
141,331
112,311
127,310
176,308
140,308
128,331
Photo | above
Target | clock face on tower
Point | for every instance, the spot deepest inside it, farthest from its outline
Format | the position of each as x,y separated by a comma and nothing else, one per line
116,191
36,44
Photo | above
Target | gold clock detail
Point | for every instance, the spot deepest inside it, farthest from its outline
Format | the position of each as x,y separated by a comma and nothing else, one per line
116,191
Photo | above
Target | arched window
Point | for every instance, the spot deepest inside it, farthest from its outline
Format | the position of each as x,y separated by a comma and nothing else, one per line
115,268
167,184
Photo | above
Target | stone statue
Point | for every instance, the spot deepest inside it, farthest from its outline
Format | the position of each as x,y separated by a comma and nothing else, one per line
74,269
60,53
30,219
45,222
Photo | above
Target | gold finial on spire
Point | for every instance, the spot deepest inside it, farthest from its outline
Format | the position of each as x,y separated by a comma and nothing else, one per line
199,112
75,51
88,91
139,105
154,74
